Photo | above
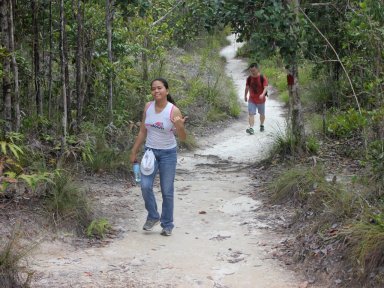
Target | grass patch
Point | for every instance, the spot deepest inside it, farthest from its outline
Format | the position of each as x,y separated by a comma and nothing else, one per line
308,188
366,246
67,202
190,143
215,115
294,185
107,158
283,144
98,228
12,273
312,144
315,123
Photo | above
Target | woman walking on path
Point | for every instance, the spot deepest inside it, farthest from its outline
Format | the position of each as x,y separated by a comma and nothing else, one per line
161,118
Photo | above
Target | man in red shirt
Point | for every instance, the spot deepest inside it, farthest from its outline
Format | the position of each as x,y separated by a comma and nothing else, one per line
257,87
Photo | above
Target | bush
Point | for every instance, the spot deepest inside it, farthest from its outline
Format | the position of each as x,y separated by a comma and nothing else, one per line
11,254
98,228
215,115
283,144
312,144
346,124
316,123
67,203
318,93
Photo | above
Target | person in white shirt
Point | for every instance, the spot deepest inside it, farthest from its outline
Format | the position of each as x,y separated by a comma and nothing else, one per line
161,121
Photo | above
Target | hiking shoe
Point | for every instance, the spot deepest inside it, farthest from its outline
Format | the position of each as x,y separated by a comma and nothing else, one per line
149,224
261,128
166,232
250,131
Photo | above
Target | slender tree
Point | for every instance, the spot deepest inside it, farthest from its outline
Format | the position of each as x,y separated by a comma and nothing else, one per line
63,63
50,61
66,73
108,22
297,121
15,69
79,64
7,83
36,57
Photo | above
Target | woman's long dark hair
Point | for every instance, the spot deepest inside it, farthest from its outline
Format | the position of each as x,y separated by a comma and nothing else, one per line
165,82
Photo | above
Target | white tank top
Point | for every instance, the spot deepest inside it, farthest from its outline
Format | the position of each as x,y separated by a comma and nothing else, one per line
160,127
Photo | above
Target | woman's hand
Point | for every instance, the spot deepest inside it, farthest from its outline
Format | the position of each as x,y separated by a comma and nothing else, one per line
179,121
133,157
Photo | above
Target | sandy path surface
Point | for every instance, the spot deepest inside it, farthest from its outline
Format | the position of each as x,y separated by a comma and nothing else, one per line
217,241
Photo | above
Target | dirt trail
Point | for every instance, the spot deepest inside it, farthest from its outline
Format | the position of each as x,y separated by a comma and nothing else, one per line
217,242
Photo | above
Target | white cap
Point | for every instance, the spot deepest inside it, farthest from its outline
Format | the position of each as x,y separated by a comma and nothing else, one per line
148,163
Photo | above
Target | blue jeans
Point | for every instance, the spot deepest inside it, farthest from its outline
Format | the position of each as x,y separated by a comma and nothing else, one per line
165,164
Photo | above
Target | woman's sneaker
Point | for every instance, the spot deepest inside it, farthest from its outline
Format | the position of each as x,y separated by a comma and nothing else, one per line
149,224
166,232
250,131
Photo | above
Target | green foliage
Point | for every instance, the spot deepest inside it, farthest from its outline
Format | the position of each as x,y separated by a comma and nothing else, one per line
283,143
10,149
312,144
345,124
190,143
308,188
206,94
66,202
295,185
234,108
215,115
319,93
376,159
366,243
98,228
316,124
262,23
12,253
33,181
79,149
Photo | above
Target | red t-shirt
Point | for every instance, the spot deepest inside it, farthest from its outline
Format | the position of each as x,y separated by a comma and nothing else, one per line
256,88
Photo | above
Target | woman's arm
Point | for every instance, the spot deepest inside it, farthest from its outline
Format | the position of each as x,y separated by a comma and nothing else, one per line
178,120
140,137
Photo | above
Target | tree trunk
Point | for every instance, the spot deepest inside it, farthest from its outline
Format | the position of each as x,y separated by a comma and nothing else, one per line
79,65
50,62
88,77
144,58
36,57
379,72
88,68
66,75
108,22
16,98
7,96
63,64
297,120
